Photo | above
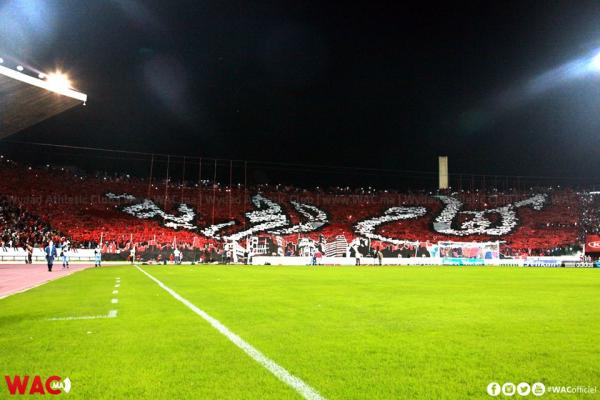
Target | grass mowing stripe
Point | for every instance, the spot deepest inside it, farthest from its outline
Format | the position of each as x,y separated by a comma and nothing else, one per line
281,373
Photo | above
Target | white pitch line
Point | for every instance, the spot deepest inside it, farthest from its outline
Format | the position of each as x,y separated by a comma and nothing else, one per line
281,373
111,314
117,285
115,292
114,301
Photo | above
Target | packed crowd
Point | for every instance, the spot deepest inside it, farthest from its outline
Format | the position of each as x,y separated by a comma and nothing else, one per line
19,228
38,203
590,213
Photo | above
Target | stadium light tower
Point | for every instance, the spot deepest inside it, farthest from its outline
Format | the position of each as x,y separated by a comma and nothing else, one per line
443,172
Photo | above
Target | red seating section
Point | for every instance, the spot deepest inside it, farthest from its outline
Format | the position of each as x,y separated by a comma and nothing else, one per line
76,205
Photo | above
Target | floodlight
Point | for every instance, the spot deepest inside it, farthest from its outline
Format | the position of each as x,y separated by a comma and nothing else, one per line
58,81
595,62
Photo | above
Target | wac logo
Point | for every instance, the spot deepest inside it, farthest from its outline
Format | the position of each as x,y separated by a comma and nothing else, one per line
36,385
594,245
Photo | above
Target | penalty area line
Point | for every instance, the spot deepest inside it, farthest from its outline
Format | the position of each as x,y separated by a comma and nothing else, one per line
280,373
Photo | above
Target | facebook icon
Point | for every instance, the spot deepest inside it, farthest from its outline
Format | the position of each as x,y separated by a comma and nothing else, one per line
493,389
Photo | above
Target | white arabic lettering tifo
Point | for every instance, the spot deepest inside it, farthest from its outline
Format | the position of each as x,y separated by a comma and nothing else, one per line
479,223
270,217
366,228
148,209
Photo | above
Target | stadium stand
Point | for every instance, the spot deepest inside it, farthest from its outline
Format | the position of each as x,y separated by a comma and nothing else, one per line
19,228
39,203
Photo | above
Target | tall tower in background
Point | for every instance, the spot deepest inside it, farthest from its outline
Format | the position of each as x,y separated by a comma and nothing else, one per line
443,172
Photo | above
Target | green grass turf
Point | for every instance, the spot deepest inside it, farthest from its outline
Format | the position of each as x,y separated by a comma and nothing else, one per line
350,333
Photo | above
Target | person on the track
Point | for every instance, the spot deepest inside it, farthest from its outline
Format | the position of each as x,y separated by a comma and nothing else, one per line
50,251
29,249
64,253
97,256
132,254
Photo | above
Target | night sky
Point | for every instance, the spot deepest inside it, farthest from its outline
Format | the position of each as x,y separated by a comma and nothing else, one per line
374,84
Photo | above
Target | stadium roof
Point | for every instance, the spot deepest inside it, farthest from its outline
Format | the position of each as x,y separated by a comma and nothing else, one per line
25,100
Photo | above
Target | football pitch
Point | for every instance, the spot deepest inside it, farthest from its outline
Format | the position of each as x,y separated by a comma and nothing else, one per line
225,332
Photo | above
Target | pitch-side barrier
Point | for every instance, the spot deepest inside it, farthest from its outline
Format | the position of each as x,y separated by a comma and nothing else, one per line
19,254
562,261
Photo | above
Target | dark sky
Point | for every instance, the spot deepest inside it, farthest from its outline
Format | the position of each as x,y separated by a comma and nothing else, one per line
378,84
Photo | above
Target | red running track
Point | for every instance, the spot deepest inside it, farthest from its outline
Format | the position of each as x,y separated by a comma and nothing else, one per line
16,278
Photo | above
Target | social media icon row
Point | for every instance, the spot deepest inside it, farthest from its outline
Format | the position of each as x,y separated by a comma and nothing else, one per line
510,389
